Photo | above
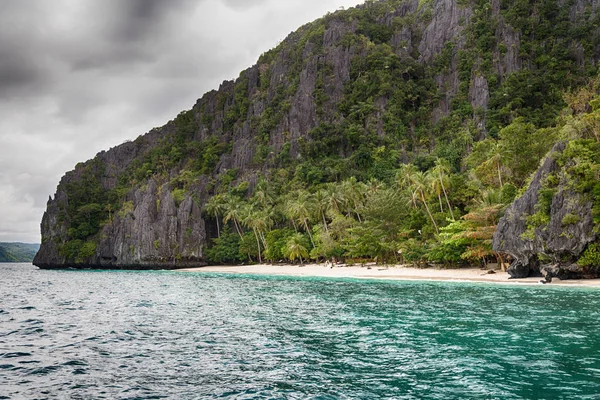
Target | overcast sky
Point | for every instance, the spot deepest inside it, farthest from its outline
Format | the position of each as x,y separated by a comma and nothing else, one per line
81,76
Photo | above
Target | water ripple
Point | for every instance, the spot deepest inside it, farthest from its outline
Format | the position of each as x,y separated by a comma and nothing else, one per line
134,335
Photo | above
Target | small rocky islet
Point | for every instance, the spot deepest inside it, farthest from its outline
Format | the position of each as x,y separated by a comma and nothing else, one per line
442,131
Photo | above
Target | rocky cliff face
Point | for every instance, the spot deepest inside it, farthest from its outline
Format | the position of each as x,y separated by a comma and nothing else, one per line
547,230
381,68
150,230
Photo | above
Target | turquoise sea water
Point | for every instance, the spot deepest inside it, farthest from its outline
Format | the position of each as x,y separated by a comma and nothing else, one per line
142,335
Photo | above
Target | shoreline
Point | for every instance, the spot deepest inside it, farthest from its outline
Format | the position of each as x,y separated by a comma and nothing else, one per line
391,272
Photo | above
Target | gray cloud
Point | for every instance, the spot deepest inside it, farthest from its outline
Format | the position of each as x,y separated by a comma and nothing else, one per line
16,72
81,76
243,4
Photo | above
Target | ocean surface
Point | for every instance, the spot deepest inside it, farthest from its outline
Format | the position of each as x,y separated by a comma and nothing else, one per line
150,335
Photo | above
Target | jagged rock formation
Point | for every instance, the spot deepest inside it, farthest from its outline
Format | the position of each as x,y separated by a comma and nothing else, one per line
151,231
389,73
547,230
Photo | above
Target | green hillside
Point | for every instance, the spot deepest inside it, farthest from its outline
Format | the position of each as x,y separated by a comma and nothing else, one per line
395,131
18,252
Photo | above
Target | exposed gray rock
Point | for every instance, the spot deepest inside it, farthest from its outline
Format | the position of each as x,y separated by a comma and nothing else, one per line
479,96
519,269
507,60
564,272
508,237
157,232
560,243
447,24
479,93
52,232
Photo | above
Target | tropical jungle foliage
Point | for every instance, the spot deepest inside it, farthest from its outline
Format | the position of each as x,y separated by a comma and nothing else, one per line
378,178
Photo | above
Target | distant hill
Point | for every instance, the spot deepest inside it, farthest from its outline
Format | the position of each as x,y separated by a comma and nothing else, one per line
18,252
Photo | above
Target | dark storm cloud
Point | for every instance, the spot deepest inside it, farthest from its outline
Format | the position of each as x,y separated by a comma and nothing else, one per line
127,32
37,48
81,76
140,17
16,71
20,67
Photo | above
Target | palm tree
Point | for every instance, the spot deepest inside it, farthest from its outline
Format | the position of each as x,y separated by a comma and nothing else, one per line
265,221
262,194
232,212
489,198
322,205
496,152
404,176
373,186
441,171
334,198
216,206
419,184
298,209
249,217
403,181
286,209
354,192
436,187
295,248
413,196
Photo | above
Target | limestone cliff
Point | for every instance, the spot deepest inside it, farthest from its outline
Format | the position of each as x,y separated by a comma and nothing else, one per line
390,73
547,230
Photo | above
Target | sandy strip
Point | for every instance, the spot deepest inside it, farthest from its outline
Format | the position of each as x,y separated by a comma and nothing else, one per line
396,272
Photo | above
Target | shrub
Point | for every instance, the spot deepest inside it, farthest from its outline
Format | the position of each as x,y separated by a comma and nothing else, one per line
296,247
178,196
276,240
591,256
570,219
225,249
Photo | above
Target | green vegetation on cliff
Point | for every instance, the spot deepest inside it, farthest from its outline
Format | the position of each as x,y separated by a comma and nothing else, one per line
393,131
432,214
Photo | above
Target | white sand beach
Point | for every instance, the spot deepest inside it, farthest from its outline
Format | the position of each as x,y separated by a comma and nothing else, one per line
396,272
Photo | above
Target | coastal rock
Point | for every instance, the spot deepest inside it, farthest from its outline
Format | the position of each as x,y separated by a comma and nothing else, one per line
152,231
564,272
519,269
508,237
138,205
562,239
157,232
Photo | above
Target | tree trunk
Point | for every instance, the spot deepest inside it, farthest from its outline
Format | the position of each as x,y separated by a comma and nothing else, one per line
337,208
429,212
218,227
309,234
262,237
448,201
499,174
324,221
356,211
258,244
237,227
500,260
